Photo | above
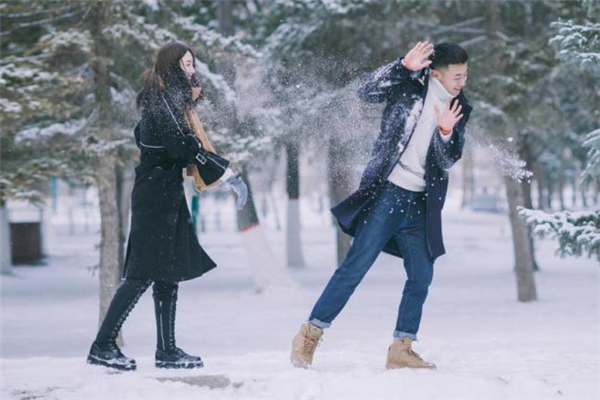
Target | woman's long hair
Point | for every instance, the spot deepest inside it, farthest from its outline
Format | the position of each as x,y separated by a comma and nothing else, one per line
167,77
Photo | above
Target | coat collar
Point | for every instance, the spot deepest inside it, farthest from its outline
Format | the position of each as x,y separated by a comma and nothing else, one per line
424,77
438,90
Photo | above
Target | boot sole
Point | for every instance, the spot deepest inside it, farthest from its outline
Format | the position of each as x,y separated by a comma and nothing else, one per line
176,365
120,367
300,364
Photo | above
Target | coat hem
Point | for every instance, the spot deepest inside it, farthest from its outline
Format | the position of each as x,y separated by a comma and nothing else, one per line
156,278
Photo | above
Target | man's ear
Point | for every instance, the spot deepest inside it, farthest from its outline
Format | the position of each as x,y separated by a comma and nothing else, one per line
435,73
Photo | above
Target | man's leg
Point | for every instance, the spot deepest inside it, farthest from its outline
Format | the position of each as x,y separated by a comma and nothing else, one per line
412,240
419,270
377,226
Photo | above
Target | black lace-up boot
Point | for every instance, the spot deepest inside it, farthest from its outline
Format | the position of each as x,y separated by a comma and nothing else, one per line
104,350
168,355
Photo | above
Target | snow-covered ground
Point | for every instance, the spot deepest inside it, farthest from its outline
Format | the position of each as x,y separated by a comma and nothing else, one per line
485,343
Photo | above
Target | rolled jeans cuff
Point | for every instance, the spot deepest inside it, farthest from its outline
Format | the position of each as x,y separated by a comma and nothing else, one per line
319,324
401,335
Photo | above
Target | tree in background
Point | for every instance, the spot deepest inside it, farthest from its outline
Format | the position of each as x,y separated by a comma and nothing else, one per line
70,74
518,107
281,75
578,233
314,52
268,272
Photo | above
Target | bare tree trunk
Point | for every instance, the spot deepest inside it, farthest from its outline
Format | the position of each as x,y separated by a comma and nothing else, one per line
561,180
523,252
110,254
583,192
468,180
266,269
6,267
122,223
549,194
575,186
225,15
110,250
528,202
538,176
125,179
295,257
339,184
526,290
269,193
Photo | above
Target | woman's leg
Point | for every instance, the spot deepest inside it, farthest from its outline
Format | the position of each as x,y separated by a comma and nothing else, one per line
168,355
104,350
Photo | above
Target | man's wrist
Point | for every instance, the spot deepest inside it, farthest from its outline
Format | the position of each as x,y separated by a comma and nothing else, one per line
405,66
444,131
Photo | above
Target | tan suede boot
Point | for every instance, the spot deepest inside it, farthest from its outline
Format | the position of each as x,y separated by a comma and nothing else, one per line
304,345
401,355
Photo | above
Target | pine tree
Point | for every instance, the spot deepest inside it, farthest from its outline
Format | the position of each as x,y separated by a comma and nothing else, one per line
578,233
314,52
70,73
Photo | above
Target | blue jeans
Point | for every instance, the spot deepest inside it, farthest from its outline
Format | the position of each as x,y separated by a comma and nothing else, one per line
396,214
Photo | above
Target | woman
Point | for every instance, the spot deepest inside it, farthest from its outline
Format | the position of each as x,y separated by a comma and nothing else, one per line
163,249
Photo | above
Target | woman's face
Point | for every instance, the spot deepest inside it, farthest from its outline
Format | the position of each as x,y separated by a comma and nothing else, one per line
187,64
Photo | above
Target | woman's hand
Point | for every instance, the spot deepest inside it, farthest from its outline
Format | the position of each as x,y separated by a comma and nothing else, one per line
240,189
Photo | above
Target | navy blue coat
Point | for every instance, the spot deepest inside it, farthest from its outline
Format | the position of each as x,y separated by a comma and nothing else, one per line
404,91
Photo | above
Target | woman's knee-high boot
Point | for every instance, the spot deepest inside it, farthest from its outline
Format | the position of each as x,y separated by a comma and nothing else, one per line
168,355
104,350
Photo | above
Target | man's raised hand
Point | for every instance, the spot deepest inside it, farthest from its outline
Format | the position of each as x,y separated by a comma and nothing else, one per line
417,57
447,119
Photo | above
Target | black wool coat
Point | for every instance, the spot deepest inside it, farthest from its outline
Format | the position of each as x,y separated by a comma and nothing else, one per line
404,92
162,243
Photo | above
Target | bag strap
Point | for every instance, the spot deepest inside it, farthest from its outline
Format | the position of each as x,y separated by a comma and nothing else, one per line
172,115
201,158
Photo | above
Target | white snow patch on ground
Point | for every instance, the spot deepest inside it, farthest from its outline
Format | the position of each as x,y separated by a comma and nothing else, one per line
486,345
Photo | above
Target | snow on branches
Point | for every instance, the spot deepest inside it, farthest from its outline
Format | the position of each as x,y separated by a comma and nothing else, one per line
579,43
592,170
578,233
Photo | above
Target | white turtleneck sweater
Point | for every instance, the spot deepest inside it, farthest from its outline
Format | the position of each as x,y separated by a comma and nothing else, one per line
409,173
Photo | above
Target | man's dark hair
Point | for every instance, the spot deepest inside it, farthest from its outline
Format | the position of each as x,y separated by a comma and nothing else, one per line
447,53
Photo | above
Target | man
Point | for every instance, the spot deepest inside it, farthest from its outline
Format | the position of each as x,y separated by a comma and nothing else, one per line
397,207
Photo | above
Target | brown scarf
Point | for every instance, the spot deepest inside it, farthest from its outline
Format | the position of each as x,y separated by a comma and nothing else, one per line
196,126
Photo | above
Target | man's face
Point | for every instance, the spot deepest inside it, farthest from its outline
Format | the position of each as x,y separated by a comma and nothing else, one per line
453,77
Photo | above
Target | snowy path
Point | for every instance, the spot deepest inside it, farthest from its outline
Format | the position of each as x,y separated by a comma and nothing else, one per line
485,343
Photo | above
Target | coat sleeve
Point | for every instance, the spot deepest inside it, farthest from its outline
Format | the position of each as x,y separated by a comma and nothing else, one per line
448,152
378,86
212,167
180,142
